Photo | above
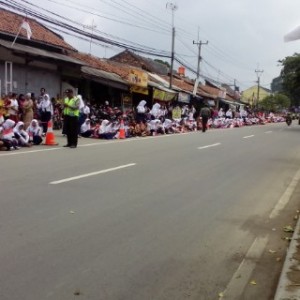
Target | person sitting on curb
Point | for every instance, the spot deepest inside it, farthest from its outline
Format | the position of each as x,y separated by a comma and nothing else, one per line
21,135
85,129
35,132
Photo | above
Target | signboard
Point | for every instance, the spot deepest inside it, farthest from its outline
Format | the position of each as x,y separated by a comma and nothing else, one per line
138,77
126,102
139,90
176,113
163,96
184,97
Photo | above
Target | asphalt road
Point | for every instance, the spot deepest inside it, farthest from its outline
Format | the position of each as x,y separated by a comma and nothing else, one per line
174,217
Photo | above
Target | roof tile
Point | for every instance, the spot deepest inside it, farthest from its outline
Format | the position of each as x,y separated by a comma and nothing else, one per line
11,22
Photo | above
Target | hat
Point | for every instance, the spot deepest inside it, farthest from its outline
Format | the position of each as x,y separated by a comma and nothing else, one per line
69,91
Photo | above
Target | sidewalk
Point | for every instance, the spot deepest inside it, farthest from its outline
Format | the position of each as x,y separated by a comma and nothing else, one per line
289,283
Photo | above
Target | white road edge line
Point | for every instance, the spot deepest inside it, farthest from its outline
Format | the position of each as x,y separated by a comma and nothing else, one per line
94,144
92,174
286,196
242,275
17,152
209,146
248,136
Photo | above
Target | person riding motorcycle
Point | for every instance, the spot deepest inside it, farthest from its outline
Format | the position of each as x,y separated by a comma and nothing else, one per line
288,119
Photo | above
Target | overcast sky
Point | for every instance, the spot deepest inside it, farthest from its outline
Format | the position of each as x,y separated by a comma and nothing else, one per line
243,35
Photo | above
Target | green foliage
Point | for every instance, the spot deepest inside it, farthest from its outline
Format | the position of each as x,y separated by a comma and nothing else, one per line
162,62
275,103
276,85
290,74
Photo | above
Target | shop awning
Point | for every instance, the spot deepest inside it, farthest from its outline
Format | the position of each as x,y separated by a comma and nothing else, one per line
39,52
105,78
232,103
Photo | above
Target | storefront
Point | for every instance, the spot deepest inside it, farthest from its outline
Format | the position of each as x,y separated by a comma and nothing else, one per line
139,90
101,86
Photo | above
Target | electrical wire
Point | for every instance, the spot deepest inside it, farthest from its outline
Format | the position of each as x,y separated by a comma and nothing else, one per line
134,46
65,26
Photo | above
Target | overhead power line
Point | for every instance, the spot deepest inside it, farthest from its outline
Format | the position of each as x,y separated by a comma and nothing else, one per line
73,28
134,47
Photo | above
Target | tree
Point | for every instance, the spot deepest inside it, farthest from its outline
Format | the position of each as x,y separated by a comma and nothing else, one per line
162,62
276,85
275,103
290,74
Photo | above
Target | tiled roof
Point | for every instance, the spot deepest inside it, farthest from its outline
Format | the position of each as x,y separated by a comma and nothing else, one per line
181,83
189,87
130,58
123,70
11,22
215,92
102,64
210,90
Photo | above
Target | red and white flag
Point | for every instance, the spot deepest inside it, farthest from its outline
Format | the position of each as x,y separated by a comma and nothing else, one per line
25,25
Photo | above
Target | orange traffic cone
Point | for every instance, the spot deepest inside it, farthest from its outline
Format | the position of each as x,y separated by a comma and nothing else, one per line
122,131
50,138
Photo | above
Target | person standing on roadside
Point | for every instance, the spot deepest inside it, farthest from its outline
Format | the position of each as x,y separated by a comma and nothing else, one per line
205,114
71,116
27,110
44,106
13,108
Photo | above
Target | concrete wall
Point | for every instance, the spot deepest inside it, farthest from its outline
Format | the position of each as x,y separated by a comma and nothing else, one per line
29,76
250,95
30,79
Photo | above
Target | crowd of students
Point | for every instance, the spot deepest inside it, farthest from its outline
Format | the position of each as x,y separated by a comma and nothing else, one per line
24,119
161,119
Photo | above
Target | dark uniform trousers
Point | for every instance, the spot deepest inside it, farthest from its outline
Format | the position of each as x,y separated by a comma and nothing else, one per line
71,129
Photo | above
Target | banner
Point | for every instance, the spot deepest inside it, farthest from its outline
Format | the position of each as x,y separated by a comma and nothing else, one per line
139,90
138,78
162,95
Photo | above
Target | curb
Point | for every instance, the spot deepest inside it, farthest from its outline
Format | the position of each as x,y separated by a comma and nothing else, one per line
287,288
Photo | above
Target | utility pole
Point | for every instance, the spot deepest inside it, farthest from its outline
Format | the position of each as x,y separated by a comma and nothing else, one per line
258,74
199,55
173,7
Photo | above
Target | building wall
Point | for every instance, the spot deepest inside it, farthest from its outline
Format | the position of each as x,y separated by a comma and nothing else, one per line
250,95
28,77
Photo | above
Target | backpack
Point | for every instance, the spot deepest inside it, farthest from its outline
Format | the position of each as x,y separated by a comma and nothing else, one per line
205,112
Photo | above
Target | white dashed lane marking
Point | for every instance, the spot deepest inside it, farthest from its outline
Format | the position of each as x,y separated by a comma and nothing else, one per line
209,146
92,174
